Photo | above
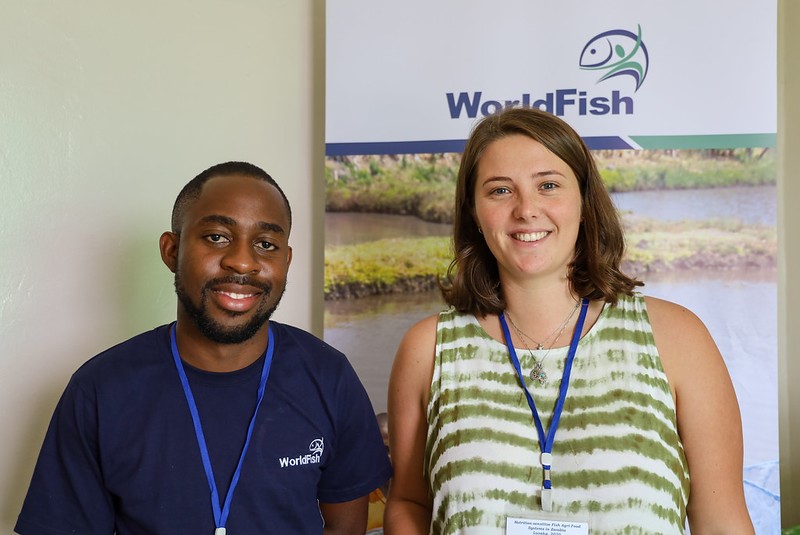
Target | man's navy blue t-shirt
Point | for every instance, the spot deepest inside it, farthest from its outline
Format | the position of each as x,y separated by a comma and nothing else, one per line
121,453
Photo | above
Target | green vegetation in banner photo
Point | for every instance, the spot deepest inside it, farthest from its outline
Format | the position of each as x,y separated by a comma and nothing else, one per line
422,186
407,265
400,265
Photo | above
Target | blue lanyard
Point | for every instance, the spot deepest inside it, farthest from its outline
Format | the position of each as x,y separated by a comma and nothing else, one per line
220,516
546,440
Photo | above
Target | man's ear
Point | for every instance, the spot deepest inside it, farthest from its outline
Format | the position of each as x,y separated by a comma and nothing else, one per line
168,244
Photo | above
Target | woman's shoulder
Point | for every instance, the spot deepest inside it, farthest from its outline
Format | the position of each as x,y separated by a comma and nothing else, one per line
684,344
426,327
412,369
419,339
672,317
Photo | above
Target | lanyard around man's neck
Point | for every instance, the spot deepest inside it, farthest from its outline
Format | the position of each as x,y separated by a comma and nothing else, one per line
220,514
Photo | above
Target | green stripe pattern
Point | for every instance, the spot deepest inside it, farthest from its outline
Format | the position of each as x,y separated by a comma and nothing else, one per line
718,141
618,462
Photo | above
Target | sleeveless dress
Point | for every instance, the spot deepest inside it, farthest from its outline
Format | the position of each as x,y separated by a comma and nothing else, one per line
618,462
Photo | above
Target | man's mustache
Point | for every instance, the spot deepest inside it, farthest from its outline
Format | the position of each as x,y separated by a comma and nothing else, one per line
242,280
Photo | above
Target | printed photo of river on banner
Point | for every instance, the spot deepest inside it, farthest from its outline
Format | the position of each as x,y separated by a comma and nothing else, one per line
683,138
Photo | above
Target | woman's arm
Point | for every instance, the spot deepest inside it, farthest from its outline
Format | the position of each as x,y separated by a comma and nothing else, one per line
408,506
709,422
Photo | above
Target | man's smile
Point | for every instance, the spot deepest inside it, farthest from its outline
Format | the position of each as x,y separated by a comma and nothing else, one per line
237,297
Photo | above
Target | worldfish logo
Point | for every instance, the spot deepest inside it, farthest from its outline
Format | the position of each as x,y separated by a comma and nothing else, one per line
557,102
618,53
299,460
314,456
317,446
615,53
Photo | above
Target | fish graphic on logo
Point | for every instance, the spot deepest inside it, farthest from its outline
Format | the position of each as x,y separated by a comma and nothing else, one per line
619,52
316,447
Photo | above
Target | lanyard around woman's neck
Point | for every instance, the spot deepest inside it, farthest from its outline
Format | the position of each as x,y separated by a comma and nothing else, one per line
546,440
220,514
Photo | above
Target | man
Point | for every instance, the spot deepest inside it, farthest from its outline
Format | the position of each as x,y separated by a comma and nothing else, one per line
224,420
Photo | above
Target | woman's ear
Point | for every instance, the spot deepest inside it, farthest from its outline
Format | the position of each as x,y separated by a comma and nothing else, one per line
475,220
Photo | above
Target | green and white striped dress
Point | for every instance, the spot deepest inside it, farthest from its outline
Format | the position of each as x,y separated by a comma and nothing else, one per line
618,462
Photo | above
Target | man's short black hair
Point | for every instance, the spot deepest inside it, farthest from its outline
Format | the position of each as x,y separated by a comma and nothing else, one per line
192,190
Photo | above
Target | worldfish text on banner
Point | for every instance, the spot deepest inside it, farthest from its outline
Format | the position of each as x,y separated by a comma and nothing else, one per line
624,77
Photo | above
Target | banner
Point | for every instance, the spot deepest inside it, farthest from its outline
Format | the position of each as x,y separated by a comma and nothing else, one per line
412,77
678,103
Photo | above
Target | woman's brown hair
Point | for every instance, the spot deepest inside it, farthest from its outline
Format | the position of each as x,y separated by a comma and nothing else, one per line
472,284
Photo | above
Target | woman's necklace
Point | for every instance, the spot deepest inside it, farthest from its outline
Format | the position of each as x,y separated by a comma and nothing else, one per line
537,372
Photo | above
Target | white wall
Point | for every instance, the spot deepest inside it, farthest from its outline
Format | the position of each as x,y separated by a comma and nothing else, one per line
105,112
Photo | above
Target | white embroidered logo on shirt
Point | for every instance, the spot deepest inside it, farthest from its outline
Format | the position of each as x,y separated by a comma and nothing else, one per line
316,448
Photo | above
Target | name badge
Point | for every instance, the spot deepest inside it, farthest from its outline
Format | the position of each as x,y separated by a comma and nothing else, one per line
534,526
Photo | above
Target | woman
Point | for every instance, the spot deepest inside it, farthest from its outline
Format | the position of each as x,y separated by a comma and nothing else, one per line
627,420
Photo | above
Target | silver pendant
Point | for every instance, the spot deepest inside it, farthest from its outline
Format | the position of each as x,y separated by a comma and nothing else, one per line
538,373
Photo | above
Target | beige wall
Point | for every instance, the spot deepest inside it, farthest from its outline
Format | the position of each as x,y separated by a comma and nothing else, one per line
789,266
106,111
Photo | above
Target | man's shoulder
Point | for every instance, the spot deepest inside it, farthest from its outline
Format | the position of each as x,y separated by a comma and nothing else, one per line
300,349
304,341
133,353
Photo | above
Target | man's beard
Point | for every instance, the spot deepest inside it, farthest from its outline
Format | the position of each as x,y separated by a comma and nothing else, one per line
212,329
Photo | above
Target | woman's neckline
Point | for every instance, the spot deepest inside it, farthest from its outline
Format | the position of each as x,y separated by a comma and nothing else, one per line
590,332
